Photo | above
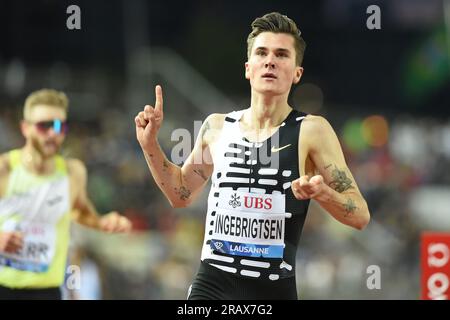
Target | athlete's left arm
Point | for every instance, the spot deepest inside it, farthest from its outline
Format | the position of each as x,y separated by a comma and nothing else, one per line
83,211
334,187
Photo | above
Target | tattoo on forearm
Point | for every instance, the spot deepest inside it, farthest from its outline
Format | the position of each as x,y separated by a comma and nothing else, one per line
340,181
349,207
201,174
165,163
184,193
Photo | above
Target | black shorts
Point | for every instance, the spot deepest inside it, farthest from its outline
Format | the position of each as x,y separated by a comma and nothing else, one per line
212,283
30,294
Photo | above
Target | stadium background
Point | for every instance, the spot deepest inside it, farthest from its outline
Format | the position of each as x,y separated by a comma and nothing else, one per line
386,92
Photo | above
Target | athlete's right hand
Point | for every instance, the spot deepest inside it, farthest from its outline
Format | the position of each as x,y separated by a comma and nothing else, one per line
11,242
149,121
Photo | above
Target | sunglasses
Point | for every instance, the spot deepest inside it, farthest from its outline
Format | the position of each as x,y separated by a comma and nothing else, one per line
58,126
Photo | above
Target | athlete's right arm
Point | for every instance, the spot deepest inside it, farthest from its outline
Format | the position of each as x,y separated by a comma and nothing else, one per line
10,241
180,185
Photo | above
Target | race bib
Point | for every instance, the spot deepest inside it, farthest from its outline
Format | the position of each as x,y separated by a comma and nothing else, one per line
37,252
34,213
249,224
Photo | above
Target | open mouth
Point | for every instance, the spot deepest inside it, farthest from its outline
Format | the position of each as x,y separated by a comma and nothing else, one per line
269,76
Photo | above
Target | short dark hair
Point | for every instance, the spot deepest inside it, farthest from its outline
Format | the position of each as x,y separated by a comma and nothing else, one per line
277,23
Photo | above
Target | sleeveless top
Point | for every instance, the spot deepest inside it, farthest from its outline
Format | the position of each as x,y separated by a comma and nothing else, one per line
38,206
253,221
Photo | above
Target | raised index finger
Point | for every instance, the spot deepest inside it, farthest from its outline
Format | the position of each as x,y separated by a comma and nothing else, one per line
159,98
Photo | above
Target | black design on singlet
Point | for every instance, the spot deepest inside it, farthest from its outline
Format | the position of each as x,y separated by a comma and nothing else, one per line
246,167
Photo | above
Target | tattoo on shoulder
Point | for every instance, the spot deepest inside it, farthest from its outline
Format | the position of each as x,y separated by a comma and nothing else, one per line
201,173
340,181
349,207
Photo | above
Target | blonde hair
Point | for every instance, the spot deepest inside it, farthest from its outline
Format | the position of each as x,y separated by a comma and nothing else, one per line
277,23
48,97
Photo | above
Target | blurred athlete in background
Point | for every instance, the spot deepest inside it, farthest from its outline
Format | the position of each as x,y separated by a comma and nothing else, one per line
40,193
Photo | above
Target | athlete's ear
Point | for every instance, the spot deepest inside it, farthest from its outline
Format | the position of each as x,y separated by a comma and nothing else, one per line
298,74
24,128
247,71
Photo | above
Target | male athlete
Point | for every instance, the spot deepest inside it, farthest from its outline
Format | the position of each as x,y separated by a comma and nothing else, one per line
266,163
40,192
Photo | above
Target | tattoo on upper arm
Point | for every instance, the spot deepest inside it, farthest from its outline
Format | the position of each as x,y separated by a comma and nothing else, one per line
349,207
201,173
340,181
